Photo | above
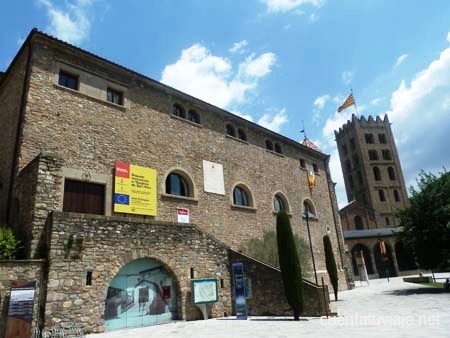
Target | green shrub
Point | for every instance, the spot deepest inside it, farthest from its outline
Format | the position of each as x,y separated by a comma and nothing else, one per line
9,245
291,271
265,249
331,264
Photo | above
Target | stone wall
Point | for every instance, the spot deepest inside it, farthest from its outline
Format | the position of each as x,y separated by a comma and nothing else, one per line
90,134
268,298
108,243
17,271
10,97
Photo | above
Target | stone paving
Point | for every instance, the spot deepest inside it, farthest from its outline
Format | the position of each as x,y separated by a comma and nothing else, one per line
394,309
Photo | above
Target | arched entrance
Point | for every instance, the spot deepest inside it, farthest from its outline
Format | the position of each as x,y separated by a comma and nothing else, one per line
143,293
405,259
357,250
385,263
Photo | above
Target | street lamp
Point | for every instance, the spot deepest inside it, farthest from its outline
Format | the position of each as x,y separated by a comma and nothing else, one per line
306,211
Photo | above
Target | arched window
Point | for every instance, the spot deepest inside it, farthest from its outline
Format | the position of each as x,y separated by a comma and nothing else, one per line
242,135
278,148
382,196
230,130
241,196
396,196
177,110
269,145
348,165
386,154
193,116
308,209
350,181
359,225
176,184
391,173
373,155
280,203
376,173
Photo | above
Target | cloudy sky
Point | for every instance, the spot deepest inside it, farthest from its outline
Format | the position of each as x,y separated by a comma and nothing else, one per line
276,62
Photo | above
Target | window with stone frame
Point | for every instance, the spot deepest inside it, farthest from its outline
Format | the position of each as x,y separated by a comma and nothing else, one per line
193,116
241,196
178,110
176,184
386,154
114,96
68,80
369,138
382,138
373,155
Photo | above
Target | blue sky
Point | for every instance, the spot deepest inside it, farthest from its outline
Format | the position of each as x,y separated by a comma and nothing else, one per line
276,62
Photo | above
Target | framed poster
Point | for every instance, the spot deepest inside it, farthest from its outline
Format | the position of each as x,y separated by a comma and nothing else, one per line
204,291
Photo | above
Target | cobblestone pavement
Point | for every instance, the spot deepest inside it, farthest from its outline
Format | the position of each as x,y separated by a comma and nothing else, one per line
394,309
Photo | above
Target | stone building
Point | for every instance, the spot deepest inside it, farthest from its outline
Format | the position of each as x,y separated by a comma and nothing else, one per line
375,190
69,116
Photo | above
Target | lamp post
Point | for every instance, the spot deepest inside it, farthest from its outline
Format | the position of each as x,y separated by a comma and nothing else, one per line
306,210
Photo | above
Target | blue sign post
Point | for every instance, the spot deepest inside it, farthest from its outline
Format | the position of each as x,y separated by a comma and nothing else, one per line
240,293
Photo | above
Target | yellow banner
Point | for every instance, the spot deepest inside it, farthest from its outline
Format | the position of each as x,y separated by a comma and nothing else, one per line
134,189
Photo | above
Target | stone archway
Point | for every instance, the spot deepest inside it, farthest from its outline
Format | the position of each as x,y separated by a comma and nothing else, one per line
144,292
357,248
384,266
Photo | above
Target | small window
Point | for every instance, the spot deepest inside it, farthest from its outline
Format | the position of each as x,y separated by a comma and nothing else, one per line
240,196
369,138
373,155
382,196
242,135
302,163
386,154
308,209
382,138
278,148
376,173
114,96
350,182
360,179
68,80
279,203
387,221
269,145
352,143
316,168
88,278
348,165
391,173
396,196
344,149
193,116
230,130
355,160
177,110
358,223
177,185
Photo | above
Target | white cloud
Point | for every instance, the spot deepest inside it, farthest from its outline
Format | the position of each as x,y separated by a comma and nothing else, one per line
71,23
347,77
238,47
243,115
274,121
20,41
420,117
287,5
375,101
313,17
320,101
402,58
257,67
213,79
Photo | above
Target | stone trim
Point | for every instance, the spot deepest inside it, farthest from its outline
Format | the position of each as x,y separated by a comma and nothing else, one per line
275,153
236,139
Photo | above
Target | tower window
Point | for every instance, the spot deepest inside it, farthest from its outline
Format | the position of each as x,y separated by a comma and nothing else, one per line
302,163
269,145
177,185
387,221
376,173
360,179
373,155
315,168
391,173
358,223
355,160
278,148
352,143
369,138
242,135
382,196
344,149
386,154
350,181
396,196
177,110
348,165
230,130
382,138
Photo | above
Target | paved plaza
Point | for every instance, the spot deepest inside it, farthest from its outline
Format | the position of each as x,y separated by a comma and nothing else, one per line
394,309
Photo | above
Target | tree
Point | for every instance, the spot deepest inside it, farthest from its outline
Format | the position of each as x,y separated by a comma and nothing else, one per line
331,265
426,223
9,245
265,249
291,272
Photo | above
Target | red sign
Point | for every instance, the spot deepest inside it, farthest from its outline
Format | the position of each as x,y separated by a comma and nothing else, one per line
122,169
182,215
166,292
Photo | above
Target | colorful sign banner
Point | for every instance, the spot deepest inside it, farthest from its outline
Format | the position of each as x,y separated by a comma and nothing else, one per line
134,189
311,177
240,293
204,291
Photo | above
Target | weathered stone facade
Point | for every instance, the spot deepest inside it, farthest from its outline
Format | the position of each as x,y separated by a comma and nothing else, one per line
68,134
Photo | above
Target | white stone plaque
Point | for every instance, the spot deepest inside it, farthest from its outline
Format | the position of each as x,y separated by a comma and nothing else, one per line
213,178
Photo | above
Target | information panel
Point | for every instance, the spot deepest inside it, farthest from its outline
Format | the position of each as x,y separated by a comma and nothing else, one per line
134,189
20,311
213,178
204,291
239,291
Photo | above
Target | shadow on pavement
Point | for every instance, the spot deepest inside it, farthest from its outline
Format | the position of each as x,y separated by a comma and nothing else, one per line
417,291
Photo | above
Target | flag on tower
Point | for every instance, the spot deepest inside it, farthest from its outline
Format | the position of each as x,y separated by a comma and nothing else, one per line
349,101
